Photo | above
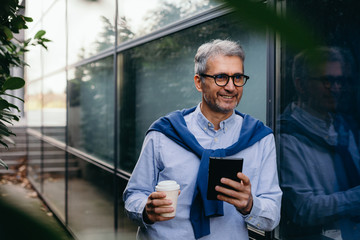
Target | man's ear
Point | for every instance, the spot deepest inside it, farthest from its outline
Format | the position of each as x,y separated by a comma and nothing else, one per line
198,82
300,85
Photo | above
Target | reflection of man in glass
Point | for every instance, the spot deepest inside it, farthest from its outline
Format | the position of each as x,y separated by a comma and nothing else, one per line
178,146
319,152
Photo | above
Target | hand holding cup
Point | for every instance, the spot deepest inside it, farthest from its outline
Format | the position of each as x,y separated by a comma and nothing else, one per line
161,205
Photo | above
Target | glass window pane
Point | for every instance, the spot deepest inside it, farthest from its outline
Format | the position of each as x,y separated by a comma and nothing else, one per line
127,229
34,161
54,178
54,108
33,58
53,22
91,109
34,10
91,202
33,104
137,21
319,126
91,28
157,78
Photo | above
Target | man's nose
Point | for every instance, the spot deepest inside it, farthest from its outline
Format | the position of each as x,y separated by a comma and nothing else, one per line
335,86
230,85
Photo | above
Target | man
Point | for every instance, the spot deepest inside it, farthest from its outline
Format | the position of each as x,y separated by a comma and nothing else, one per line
319,155
177,147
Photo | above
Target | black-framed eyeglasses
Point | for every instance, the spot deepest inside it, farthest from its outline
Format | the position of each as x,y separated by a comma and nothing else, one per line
222,79
329,81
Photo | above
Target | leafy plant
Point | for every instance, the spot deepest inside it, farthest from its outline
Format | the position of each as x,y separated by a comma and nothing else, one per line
11,55
260,15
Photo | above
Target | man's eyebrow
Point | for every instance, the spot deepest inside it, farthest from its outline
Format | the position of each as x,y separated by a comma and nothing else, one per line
237,73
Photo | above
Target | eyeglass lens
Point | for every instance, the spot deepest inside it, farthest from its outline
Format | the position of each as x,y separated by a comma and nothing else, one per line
222,79
329,81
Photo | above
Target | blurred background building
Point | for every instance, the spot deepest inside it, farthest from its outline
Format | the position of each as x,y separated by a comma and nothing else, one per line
115,66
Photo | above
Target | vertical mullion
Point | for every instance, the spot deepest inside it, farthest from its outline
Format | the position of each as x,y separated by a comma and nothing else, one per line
116,125
67,116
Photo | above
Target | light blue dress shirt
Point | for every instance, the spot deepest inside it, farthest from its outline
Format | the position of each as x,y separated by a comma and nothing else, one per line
162,159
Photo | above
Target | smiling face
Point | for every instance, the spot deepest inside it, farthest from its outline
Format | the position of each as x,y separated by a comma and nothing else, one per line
318,97
219,102
323,98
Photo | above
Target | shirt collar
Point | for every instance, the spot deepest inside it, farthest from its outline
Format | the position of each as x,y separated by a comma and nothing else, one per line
206,125
317,126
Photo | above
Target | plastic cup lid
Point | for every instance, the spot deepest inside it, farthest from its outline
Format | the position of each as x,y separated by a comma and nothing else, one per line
168,185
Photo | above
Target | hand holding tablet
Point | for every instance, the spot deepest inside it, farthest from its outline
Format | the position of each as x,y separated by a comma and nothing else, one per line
222,168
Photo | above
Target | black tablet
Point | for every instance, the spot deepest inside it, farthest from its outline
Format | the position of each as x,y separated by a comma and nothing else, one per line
219,168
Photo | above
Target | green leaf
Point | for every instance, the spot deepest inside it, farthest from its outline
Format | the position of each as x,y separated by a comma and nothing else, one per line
39,34
28,19
7,114
8,139
27,41
8,33
262,16
14,106
5,120
46,40
4,128
13,83
4,104
17,23
2,163
4,132
13,96
2,125
43,45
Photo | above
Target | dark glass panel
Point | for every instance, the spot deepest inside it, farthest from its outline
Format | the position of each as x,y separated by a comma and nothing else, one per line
91,109
319,125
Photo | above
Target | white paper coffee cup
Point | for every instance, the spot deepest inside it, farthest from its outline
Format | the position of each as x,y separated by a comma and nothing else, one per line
171,188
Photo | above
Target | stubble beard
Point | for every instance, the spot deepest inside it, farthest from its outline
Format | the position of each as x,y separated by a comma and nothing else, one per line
216,107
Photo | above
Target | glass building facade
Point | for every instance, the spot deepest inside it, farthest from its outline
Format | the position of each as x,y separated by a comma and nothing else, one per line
112,68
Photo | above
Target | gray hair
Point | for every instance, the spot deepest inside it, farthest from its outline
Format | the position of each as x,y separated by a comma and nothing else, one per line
215,48
309,60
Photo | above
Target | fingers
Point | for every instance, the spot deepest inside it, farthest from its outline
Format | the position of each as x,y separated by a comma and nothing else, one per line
236,193
157,199
156,195
238,185
153,214
243,204
245,180
156,205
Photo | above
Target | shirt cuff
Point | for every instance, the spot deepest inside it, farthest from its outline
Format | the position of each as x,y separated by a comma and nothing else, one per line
252,217
142,207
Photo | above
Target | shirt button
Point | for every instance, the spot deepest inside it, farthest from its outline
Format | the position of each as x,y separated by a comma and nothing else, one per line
205,128
250,218
215,139
258,225
209,124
